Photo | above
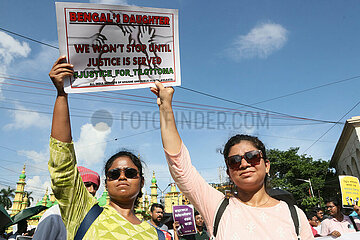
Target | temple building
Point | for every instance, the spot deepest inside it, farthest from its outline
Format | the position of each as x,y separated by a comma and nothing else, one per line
18,203
346,156
153,191
172,198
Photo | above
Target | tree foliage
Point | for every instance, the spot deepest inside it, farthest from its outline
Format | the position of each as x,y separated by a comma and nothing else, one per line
5,197
288,166
30,198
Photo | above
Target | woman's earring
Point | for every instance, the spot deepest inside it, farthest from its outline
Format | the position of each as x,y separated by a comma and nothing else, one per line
268,174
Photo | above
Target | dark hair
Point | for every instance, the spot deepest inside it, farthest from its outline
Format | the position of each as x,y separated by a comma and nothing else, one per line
335,201
241,137
237,139
310,215
156,205
196,213
317,209
137,162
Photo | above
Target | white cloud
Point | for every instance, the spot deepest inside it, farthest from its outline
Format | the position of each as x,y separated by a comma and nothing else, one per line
114,2
41,157
38,187
42,61
91,145
261,41
10,48
25,118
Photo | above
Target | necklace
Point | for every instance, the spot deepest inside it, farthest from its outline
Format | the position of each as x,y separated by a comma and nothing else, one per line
257,205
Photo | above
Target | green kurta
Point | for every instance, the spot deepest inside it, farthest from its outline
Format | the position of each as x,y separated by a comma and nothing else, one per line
75,201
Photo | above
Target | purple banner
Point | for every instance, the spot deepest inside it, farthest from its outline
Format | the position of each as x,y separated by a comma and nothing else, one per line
184,214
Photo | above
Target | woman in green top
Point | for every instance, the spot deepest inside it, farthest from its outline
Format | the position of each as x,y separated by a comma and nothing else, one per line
124,179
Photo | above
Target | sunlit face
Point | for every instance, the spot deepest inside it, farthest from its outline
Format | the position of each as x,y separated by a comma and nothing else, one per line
247,177
331,208
123,189
320,214
157,215
314,221
199,221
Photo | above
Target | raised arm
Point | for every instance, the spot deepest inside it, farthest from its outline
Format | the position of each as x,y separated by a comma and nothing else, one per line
73,198
204,197
61,128
170,136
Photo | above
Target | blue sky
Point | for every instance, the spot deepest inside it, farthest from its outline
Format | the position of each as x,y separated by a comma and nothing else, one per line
243,51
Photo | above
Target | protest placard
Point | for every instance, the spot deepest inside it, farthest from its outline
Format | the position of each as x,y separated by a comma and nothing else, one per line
116,47
184,214
350,190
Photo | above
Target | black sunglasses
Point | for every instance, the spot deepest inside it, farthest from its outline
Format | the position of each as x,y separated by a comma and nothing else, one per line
252,157
115,173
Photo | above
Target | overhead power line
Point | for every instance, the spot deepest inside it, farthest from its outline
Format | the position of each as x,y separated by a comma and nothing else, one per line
188,89
250,106
203,107
332,126
28,38
307,89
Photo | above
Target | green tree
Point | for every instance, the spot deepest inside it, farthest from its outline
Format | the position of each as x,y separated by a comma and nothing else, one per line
288,166
5,197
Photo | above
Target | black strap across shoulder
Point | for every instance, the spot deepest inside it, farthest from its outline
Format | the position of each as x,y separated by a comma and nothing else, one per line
225,203
295,219
353,222
90,217
219,213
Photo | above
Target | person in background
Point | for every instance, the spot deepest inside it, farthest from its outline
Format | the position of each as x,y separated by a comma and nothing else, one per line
157,214
320,214
201,233
356,212
338,223
314,222
51,226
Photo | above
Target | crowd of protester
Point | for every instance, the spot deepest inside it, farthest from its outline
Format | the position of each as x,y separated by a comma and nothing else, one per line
336,223
249,212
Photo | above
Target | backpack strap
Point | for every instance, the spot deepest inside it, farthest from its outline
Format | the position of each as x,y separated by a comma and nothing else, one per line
219,213
295,219
160,234
90,217
353,222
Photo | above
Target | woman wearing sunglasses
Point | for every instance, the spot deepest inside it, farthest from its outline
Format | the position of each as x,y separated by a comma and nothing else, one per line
251,213
124,180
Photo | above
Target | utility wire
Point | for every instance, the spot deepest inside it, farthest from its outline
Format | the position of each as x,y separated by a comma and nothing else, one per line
307,89
332,126
250,106
132,95
181,106
181,123
28,80
188,89
28,38
253,114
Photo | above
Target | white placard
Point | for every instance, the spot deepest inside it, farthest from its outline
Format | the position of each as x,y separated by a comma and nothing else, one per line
116,47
